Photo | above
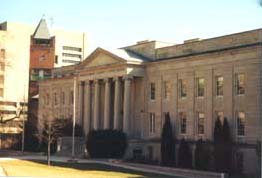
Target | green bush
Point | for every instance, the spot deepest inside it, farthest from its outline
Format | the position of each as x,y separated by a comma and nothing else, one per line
184,155
106,143
167,143
202,156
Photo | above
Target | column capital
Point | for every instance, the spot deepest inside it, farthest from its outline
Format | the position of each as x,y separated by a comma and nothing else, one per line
87,82
116,79
106,80
96,81
128,77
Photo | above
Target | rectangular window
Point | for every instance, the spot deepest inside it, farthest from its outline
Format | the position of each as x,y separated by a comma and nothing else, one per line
167,89
1,92
200,87
56,59
72,55
182,118
240,84
70,61
55,98
152,91
239,161
201,123
41,74
241,124
150,152
72,97
182,88
152,123
1,79
2,66
63,97
220,115
71,48
219,85
47,99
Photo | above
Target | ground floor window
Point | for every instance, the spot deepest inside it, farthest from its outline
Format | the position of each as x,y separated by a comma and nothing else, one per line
152,120
241,124
150,152
182,118
201,123
239,162
137,153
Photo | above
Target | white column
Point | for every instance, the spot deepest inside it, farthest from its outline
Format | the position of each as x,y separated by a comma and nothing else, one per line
80,104
107,104
127,104
87,107
96,107
117,104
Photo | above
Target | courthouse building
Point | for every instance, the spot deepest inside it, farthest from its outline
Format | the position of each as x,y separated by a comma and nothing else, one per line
133,87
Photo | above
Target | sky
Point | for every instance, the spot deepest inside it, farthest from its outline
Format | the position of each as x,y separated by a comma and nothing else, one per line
113,24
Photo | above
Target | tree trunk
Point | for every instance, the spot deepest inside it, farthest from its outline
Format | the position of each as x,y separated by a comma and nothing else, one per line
48,151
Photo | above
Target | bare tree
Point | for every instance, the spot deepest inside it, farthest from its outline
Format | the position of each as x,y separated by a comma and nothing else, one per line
52,129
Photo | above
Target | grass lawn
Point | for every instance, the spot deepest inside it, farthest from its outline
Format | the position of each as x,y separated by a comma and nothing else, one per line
32,168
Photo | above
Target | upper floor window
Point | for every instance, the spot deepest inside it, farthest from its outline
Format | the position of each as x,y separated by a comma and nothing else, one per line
71,97
167,88
56,59
182,118
240,84
182,88
63,97
241,124
152,91
47,99
220,115
1,92
152,120
71,48
72,55
239,161
55,98
200,87
219,85
201,123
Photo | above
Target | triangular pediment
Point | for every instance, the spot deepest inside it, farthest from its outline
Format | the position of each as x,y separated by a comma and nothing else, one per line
101,57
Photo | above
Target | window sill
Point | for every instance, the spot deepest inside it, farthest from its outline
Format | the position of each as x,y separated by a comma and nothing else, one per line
200,97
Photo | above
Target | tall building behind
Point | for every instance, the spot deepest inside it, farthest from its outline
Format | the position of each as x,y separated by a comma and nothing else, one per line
71,47
17,43
14,59
42,56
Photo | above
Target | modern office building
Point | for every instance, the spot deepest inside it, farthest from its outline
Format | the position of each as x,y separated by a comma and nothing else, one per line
16,47
196,82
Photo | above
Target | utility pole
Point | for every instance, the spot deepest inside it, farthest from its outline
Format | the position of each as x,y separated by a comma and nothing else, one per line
23,120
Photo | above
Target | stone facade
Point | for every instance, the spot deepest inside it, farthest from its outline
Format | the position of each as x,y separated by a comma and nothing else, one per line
133,87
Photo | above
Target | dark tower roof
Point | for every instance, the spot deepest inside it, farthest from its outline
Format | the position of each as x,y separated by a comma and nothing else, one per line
41,31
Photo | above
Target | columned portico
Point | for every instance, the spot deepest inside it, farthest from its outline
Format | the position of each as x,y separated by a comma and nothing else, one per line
117,104
111,115
80,103
127,104
96,105
107,104
87,107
